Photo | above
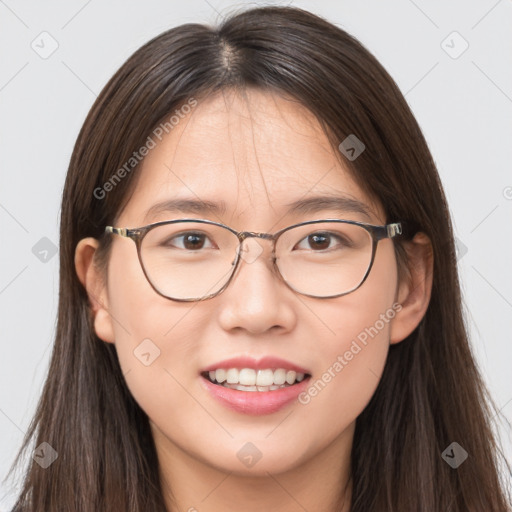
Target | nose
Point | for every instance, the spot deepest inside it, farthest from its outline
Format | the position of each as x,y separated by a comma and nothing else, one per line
257,300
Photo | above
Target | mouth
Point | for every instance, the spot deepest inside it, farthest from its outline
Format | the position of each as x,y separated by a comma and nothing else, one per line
255,387
255,380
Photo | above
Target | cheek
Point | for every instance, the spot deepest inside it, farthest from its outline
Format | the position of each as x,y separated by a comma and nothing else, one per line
352,368
153,337
355,348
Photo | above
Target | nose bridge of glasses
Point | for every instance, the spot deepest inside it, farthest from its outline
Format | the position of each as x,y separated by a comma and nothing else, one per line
252,251
253,234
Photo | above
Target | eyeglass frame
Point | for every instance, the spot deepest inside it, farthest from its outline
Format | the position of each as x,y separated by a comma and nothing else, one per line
377,233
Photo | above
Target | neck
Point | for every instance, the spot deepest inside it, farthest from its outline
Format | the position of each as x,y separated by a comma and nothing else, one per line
319,484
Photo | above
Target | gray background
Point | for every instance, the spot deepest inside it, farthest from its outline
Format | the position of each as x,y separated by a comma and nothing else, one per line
462,102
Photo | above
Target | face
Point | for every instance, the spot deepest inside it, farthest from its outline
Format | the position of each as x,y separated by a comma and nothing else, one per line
257,154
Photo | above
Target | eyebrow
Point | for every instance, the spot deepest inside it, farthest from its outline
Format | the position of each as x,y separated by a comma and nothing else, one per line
314,204
186,206
341,204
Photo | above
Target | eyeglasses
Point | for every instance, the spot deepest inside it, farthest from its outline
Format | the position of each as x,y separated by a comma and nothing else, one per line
195,259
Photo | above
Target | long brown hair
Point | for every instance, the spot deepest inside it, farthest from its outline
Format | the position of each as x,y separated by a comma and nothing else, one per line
431,393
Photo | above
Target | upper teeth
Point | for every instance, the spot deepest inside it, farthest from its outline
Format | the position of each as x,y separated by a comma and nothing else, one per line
251,377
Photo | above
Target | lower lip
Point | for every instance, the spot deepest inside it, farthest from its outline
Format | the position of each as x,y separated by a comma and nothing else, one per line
255,402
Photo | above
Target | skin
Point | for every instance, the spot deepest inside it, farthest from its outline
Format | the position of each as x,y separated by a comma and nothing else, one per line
257,153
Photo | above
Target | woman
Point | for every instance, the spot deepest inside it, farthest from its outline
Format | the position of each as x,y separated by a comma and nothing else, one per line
286,331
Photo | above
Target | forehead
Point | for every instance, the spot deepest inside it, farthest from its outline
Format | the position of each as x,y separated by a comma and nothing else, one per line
254,154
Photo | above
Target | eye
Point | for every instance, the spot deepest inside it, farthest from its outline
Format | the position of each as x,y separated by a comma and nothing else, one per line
322,241
189,241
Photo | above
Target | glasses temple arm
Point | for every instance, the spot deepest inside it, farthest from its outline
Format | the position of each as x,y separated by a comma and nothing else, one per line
117,231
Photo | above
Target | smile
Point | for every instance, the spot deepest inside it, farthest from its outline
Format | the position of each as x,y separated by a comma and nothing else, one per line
250,379
255,386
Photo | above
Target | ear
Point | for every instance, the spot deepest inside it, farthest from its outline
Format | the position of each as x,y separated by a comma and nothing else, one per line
415,288
96,287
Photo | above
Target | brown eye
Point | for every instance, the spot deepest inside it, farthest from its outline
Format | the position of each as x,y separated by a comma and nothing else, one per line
190,241
321,241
